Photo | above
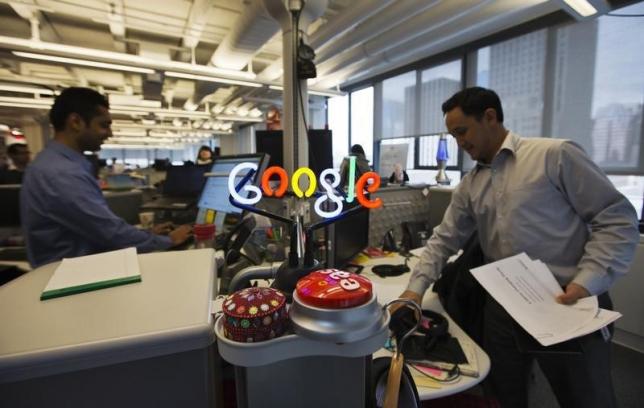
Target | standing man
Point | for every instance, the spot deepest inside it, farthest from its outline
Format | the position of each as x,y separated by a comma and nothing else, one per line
63,211
547,198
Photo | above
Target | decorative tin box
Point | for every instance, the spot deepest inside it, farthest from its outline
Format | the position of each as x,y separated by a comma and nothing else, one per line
255,314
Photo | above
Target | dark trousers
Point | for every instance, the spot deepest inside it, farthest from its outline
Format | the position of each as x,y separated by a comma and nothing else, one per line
580,375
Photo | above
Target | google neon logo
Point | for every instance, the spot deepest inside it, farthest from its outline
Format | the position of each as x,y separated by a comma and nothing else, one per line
356,189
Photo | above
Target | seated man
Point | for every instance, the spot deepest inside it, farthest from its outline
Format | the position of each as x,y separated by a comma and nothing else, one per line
19,157
63,211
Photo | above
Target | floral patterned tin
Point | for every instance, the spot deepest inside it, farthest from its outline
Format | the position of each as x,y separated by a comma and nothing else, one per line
254,315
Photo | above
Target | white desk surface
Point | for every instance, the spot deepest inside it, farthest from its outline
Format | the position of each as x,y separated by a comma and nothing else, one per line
167,312
390,288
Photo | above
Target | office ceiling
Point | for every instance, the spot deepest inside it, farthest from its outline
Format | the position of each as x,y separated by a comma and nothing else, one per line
169,52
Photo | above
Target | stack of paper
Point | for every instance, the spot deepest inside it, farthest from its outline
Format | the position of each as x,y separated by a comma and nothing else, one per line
527,290
85,273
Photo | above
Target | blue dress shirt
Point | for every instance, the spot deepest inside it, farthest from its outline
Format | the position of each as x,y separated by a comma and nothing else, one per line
64,213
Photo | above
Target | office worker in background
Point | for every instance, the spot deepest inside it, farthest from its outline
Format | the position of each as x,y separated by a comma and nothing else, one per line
63,211
362,164
399,175
204,156
547,198
19,158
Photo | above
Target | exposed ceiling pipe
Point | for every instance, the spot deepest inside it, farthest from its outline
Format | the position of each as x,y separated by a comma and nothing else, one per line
431,20
253,28
354,15
389,18
502,14
196,22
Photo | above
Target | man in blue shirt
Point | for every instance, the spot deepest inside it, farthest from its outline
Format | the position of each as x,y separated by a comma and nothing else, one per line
63,211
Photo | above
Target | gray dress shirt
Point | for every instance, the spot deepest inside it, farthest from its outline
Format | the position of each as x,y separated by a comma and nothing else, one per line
544,197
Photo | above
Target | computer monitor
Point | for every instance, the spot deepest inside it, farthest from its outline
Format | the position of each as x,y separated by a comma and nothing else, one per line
184,181
215,195
349,236
10,199
320,148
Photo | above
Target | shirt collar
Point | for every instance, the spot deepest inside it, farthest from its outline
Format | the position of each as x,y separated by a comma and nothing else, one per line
510,144
70,154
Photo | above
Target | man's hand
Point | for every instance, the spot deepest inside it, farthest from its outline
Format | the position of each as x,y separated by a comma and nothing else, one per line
162,229
181,234
408,294
573,293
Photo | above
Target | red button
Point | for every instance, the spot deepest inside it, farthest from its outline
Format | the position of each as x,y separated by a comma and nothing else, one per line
334,289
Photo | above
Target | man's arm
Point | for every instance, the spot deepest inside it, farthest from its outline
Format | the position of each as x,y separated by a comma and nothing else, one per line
457,226
611,219
81,207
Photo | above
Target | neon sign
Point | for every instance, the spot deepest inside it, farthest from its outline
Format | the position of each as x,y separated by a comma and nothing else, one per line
356,189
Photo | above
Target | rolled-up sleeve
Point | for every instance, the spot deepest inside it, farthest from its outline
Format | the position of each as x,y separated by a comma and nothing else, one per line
611,219
448,237
81,207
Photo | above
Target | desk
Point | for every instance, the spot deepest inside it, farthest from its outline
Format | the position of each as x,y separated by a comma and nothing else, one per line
390,288
147,344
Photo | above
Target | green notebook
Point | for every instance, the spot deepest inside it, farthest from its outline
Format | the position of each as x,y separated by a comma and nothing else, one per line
93,272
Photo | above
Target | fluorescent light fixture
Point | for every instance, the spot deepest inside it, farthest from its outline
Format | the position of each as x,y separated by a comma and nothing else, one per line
85,63
26,89
237,118
182,75
310,91
119,57
325,93
24,105
583,7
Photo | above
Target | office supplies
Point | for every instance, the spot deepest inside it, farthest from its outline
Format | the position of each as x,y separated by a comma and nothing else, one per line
93,272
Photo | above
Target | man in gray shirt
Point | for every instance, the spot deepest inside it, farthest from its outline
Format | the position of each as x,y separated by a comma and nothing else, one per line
547,198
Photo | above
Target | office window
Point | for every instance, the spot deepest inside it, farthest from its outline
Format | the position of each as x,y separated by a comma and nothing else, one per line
437,85
398,105
515,69
362,120
599,89
339,124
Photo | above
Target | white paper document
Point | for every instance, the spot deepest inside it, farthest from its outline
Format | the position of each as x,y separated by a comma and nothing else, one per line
76,275
527,290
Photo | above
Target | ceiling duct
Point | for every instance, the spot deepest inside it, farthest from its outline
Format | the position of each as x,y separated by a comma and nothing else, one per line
253,28
496,16
442,14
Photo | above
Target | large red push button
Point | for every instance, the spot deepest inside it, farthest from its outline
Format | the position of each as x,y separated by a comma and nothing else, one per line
334,289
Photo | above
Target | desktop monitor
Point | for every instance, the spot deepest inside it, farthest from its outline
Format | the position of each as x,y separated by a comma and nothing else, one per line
215,195
320,148
10,199
184,181
349,236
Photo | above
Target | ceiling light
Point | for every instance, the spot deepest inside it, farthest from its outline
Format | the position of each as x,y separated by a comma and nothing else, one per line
111,56
583,7
173,74
310,91
325,93
74,61
26,89
23,105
